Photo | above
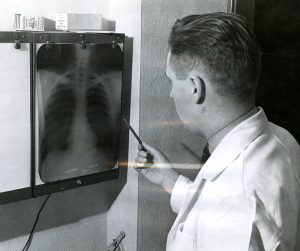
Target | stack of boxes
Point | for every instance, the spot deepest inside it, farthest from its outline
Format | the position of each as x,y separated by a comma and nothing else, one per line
64,22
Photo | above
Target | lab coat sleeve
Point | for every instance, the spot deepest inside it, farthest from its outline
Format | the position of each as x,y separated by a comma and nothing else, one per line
256,242
265,231
179,193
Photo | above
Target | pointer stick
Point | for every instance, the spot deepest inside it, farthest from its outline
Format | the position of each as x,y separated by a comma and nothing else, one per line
133,132
150,157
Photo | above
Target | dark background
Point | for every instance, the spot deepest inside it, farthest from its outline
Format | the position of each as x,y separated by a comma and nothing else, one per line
277,25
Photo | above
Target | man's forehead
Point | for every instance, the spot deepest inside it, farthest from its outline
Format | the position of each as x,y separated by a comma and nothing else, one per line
169,59
169,71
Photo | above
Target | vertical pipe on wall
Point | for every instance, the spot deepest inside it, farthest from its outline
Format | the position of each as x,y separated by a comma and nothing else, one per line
231,6
32,116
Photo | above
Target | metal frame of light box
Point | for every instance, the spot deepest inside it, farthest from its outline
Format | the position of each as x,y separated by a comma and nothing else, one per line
33,38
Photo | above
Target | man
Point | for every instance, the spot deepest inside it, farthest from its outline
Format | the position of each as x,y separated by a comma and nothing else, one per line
245,197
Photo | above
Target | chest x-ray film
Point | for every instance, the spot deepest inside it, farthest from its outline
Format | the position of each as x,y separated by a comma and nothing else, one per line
15,117
78,100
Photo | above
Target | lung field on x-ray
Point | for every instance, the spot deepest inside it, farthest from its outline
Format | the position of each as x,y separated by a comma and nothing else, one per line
98,116
78,96
59,116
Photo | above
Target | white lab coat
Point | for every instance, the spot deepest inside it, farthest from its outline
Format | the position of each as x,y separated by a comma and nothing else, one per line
246,196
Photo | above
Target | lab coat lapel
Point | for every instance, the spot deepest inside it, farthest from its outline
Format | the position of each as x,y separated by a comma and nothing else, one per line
232,145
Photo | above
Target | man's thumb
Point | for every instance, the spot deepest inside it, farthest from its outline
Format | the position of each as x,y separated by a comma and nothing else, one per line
150,149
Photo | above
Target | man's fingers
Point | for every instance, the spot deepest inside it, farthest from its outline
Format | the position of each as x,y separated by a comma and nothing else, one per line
141,160
150,149
142,166
143,154
138,165
142,163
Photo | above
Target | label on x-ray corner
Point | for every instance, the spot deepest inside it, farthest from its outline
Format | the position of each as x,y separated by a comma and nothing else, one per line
61,21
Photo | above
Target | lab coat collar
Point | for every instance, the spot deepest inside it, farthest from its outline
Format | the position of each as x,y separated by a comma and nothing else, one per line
232,145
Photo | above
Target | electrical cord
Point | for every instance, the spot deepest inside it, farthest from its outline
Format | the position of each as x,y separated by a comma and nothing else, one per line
28,243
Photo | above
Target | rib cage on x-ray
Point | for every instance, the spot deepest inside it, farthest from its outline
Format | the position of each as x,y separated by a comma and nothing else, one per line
78,112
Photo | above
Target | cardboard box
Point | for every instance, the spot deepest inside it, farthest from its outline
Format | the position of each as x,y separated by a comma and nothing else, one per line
69,21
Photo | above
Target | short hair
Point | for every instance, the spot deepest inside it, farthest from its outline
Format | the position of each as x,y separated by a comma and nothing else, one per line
223,44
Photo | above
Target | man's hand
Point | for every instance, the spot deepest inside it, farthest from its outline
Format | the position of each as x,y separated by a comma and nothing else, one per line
156,167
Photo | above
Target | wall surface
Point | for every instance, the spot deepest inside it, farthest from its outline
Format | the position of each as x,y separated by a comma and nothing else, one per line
159,124
89,217
71,220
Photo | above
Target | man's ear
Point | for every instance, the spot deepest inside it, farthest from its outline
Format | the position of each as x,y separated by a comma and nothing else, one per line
199,91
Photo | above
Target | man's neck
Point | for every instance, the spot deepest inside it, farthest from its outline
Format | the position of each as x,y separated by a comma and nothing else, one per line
214,141
223,117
